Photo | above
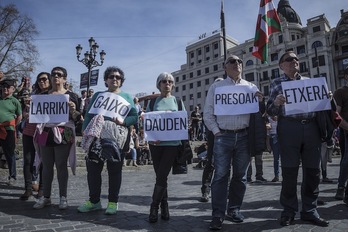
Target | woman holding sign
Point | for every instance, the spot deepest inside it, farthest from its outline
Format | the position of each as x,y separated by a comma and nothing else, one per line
56,143
105,137
163,152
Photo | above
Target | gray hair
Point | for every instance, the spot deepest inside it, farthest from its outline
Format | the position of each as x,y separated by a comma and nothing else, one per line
164,76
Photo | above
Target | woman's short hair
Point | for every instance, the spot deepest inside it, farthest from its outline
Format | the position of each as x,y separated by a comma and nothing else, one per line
164,76
112,69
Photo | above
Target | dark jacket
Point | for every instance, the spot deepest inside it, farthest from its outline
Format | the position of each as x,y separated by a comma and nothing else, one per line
257,132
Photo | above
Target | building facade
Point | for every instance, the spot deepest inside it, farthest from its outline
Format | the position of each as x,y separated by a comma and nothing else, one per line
322,51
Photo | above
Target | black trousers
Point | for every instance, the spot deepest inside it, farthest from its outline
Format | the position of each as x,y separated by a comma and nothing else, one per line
209,167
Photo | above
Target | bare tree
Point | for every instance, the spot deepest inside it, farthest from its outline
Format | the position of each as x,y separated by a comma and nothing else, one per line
18,54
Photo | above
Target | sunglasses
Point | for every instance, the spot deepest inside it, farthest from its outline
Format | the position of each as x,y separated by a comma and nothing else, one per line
166,81
290,59
42,79
233,61
58,74
111,77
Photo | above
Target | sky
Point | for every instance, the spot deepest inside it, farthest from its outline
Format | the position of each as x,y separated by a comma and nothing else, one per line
143,37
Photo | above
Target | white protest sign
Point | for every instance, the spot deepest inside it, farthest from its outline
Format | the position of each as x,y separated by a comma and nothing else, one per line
53,108
165,125
110,105
235,100
304,96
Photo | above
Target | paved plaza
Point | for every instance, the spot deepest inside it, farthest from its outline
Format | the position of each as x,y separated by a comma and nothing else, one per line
261,205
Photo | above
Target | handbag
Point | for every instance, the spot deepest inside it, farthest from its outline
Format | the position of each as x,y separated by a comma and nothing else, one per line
184,157
41,139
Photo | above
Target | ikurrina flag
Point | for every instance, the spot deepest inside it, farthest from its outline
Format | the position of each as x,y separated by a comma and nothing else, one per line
267,23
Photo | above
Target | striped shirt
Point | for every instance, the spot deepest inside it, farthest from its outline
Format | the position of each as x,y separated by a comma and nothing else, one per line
276,89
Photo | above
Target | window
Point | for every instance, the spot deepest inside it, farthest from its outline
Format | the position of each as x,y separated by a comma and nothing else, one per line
317,44
191,74
184,98
176,89
208,58
184,77
206,70
249,62
215,67
207,49
198,83
207,81
216,46
265,75
275,73
251,49
191,96
344,49
198,72
199,95
280,38
303,67
199,52
249,76
301,49
321,61
274,56
316,29
266,90
183,87
199,61
293,37
191,85
176,79
192,55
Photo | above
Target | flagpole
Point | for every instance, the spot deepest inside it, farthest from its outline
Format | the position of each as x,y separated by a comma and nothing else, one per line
222,19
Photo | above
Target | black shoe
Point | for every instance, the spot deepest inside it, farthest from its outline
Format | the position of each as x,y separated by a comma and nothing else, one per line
235,216
204,198
25,196
260,179
249,180
321,202
216,224
286,221
317,221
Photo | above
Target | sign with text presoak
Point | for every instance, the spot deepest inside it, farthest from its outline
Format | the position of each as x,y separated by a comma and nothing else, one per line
304,96
165,125
235,100
111,105
53,108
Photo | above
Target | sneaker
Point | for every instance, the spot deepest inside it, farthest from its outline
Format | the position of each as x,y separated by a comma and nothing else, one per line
260,179
63,204
340,193
89,206
235,215
42,202
204,198
111,208
216,223
275,179
25,196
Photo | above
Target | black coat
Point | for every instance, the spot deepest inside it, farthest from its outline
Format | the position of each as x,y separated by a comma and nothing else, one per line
257,132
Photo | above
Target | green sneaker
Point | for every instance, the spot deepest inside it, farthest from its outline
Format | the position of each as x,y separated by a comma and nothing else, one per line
112,208
89,206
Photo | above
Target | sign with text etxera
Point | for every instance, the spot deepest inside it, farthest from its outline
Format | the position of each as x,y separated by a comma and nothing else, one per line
305,96
51,108
93,81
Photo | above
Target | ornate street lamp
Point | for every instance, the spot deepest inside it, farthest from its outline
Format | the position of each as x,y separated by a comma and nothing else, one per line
89,58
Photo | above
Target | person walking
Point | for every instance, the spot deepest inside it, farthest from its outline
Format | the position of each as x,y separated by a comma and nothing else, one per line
300,142
230,143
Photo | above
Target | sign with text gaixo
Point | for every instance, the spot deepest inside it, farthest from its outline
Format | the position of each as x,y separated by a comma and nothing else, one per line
235,100
53,108
165,125
111,105
304,96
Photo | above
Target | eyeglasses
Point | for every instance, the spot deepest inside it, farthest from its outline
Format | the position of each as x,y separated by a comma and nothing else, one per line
111,77
167,81
42,79
58,74
290,59
233,61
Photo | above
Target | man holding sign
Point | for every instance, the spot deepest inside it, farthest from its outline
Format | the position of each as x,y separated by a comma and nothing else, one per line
299,140
226,114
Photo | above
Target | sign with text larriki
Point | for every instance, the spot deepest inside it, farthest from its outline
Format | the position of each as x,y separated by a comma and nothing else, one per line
53,108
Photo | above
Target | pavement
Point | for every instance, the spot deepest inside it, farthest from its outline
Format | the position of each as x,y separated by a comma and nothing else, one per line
261,206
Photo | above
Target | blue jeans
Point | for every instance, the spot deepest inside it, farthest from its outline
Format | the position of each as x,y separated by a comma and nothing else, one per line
229,147
342,179
276,153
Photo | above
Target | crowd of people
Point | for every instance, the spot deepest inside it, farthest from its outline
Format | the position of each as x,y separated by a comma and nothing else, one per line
231,141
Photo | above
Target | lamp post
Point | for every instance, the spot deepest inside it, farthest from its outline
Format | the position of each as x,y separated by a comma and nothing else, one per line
89,58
